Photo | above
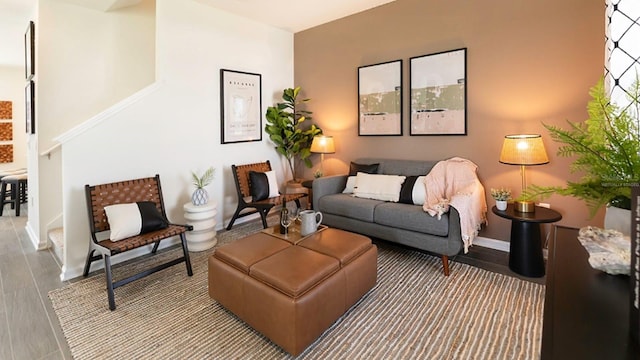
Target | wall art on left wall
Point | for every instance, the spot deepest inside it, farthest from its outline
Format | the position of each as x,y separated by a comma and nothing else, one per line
29,52
240,106
30,108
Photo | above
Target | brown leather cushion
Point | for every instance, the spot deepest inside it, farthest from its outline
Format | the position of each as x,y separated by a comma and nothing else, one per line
294,270
339,244
245,252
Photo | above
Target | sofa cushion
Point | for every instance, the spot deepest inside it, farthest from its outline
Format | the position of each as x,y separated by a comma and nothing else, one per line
379,187
355,168
410,217
348,206
413,191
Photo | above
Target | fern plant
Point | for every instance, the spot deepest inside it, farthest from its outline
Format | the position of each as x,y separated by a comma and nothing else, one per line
606,150
201,181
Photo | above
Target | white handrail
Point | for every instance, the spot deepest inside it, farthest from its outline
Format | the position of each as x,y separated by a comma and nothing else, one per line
48,152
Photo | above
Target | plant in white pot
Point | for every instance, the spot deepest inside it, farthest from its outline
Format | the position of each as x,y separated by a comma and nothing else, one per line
606,148
200,195
501,196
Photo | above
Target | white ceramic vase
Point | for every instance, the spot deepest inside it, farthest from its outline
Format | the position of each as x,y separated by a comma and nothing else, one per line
501,205
199,197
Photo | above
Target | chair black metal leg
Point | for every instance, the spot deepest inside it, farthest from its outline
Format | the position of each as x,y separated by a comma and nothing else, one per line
185,250
107,270
233,218
263,216
87,264
155,247
298,203
3,196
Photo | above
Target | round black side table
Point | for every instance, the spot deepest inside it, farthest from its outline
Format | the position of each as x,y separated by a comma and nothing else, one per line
525,249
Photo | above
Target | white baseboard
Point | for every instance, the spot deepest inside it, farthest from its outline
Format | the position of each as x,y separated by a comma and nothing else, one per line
491,243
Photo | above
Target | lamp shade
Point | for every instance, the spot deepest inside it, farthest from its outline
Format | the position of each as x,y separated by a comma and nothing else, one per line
323,145
523,150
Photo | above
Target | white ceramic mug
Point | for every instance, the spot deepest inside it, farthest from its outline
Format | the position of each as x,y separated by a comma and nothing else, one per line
309,222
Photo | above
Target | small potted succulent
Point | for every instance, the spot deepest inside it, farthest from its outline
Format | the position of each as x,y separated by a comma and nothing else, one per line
200,195
501,196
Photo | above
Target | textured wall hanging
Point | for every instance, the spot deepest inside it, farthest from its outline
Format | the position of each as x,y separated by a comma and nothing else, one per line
6,154
6,110
6,131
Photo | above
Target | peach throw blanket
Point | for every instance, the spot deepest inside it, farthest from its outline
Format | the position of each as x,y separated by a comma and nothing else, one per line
454,183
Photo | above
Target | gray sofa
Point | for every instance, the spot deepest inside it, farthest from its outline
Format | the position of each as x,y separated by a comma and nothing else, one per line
401,223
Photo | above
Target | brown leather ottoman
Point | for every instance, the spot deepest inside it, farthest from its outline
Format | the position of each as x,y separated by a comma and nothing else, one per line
292,293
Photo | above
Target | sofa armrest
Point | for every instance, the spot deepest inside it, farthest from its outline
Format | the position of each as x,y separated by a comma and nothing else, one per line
327,185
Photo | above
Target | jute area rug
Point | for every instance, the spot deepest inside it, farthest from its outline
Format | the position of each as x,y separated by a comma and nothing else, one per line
414,312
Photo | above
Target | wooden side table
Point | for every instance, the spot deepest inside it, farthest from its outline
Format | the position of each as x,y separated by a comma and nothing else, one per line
525,249
203,220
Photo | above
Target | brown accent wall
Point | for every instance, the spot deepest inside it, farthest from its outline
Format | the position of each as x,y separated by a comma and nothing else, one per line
528,62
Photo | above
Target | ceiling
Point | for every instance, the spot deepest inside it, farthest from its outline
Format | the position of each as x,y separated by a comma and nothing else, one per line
289,15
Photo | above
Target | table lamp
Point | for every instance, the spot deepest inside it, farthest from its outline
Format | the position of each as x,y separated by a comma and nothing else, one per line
323,145
523,150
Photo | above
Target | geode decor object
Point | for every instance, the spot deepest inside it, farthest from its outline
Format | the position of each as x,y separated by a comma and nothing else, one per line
609,250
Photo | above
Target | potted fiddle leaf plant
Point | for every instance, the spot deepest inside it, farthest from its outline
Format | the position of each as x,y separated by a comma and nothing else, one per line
200,195
290,129
606,150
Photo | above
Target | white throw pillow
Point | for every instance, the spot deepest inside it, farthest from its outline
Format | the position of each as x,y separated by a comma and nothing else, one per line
124,220
419,192
379,187
131,219
351,183
273,184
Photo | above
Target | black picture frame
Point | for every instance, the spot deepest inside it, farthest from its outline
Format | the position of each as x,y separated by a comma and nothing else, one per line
29,52
438,93
380,99
240,106
30,108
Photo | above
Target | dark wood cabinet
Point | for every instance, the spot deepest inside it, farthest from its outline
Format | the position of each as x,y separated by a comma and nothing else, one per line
586,311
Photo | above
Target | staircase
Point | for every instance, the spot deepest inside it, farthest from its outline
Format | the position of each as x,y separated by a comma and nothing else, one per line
56,242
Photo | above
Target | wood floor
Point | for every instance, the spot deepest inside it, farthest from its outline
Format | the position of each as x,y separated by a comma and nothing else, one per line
29,328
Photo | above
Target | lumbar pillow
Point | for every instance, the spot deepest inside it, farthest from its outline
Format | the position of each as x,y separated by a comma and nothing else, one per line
131,219
379,187
413,191
263,185
351,183
365,168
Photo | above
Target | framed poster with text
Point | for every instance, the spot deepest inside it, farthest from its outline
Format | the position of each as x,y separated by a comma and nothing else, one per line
240,106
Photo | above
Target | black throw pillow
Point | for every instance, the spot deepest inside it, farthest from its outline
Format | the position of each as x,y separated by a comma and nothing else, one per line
406,191
152,220
354,168
258,185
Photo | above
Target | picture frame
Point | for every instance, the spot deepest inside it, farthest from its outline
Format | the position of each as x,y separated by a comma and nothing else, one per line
240,106
438,93
380,99
29,51
30,109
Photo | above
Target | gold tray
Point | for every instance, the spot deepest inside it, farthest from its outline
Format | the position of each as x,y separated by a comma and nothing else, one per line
294,236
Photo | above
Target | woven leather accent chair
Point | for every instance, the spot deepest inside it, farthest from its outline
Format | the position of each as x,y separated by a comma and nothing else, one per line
124,192
243,188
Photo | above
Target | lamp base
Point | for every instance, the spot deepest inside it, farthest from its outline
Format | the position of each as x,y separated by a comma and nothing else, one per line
525,206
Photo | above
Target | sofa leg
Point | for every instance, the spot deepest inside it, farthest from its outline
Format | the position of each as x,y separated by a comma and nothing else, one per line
445,264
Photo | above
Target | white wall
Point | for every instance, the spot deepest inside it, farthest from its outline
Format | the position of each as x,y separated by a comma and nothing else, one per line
12,85
86,60
175,129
